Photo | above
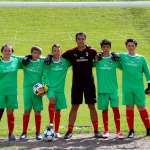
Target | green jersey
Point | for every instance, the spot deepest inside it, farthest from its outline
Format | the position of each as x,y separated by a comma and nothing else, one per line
33,73
8,76
55,74
106,75
133,68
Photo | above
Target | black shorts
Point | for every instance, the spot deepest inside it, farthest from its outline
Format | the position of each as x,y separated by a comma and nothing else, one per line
88,90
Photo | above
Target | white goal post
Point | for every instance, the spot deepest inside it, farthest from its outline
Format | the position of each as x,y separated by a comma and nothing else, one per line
76,4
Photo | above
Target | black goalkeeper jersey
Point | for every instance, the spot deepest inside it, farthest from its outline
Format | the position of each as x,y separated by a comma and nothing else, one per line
82,63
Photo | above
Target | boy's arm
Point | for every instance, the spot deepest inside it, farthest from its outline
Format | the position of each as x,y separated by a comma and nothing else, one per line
146,70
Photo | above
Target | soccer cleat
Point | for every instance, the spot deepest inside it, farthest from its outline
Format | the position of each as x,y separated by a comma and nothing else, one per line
106,134
39,136
23,137
119,135
68,136
131,134
11,138
148,132
57,135
97,134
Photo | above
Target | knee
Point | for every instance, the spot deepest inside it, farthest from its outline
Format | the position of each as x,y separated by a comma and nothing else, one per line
141,108
10,111
75,108
91,107
129,107
52,100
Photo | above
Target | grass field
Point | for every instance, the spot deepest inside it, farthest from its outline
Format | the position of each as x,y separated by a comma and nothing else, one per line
24,27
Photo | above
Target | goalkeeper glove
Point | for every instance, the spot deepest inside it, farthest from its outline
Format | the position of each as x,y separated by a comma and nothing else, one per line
48,59
42,91
115,56
147,91
99,56
26,60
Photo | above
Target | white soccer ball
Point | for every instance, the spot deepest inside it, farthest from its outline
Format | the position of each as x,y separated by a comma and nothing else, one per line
36,88
49,135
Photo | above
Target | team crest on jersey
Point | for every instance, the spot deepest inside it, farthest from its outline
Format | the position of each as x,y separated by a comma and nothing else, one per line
38,65
75,55
86,54
110,62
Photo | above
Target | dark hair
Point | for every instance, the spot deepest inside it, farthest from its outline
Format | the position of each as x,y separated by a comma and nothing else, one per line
36,48
7,45
55,45
131,40
80,33
105,42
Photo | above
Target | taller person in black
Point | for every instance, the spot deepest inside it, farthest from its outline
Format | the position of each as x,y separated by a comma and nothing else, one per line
81,59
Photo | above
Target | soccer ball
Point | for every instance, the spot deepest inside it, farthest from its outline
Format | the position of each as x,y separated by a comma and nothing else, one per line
49,135
36,88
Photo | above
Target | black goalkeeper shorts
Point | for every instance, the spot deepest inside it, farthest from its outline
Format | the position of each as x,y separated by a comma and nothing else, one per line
88,90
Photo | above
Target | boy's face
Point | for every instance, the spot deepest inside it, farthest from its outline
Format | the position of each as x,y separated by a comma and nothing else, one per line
106,48
131,46
56,52
7,52
81,40
36,54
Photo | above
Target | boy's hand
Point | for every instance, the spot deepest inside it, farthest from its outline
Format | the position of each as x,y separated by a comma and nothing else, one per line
115,56
147,90
26,60
99,56
48,59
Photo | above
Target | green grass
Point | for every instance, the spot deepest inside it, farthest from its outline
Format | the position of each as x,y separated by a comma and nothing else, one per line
24,27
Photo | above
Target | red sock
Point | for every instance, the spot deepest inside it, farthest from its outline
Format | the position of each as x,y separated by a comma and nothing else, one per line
70,128
26,117
38,122
145,118
105,120
130,118
51,109
10,119
95,125
57,120
117,119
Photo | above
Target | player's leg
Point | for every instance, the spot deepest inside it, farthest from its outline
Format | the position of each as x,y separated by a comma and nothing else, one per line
11,104
26,117
38,125
103,101
77,98
37,107
114,102
51,110
27,96
60,104
51,106
72,119
94,119
90,100
145,118
140,102
128,101
130,120
57,122
10,120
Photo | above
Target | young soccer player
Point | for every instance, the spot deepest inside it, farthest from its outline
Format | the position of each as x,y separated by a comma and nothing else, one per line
33,71
8,86
55,75
133,68
81,59
108,87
